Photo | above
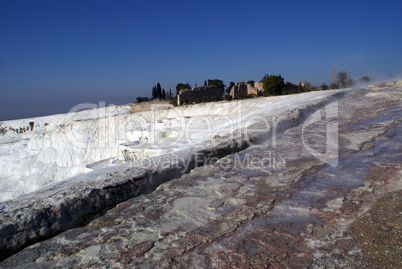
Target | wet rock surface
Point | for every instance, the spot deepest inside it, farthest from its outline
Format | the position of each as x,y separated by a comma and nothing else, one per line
293,201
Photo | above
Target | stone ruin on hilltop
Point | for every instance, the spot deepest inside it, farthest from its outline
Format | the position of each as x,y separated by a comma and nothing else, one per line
241,89
206,93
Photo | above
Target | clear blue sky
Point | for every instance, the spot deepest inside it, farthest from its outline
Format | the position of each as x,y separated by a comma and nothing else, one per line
56,54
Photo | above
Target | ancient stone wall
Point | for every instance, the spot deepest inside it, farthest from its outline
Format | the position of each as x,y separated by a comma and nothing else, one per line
259,86
253,90
303,84
239,89
199,93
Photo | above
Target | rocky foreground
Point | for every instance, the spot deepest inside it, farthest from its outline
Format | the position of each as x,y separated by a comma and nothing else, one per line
326,193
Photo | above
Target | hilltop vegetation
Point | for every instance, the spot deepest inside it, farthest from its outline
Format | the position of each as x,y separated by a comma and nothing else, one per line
272,85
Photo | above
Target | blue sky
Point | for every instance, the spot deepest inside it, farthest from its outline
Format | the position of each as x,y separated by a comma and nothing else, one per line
56,54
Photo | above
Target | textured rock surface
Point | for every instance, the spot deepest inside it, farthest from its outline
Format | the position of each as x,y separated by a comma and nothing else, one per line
77,200
288,202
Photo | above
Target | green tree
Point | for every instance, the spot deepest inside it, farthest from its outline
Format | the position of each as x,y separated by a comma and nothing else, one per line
216,82
301,89
154,95
182,86
324,86
274,85
343,79
231,84
163,94
334,86
159,90
142,99
173,101
251,82
365,79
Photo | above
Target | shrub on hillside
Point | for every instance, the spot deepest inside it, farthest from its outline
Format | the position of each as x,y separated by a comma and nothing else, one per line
274,85
334,86
173,101
142,99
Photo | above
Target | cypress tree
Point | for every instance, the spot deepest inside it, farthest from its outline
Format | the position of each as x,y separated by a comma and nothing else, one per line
159,91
